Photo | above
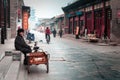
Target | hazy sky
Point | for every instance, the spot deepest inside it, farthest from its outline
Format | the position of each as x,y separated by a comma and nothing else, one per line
47,8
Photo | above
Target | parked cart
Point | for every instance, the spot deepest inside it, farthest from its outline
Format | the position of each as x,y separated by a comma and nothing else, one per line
38,57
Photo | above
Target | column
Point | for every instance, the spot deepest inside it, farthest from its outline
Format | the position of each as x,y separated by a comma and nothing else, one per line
92,18
103,19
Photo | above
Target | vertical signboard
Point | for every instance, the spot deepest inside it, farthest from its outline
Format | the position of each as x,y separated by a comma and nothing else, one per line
25,20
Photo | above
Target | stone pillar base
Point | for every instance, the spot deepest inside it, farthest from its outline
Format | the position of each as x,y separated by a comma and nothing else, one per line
8,53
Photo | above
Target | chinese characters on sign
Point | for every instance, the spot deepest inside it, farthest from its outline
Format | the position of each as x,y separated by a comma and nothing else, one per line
25,20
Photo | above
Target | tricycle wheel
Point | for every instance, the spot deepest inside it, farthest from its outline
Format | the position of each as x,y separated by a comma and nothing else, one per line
47,65
28,71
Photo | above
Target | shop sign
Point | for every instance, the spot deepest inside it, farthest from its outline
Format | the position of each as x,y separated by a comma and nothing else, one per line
79,13
69,15
97,6
107,3
25,20
88,9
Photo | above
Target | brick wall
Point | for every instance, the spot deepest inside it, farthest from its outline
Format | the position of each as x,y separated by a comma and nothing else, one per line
13,17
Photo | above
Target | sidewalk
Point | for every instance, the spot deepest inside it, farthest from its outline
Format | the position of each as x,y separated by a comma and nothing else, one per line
99,43
8,46
57,64
104,48
9,69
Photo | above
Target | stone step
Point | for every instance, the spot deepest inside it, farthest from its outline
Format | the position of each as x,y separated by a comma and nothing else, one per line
4,66
13,71
22,73
1,56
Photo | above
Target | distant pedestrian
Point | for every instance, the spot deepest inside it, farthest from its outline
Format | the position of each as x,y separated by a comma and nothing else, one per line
54,32
47,33
105,36
60,33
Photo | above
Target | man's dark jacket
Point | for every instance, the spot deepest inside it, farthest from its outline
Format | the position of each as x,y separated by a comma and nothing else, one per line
21,45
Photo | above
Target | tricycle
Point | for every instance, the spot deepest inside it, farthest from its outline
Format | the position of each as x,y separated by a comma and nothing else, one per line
38,56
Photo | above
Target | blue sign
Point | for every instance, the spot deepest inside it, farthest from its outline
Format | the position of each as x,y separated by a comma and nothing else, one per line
69,15
79,13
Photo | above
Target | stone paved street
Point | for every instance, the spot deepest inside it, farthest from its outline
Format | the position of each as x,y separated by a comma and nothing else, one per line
76,60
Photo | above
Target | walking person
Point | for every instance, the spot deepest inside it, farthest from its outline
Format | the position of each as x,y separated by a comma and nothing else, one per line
60,33
47,33
54,33
21,45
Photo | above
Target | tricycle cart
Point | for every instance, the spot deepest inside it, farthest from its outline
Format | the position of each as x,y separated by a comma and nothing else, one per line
36,58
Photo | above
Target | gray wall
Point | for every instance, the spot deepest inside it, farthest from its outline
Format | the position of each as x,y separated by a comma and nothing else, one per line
115,23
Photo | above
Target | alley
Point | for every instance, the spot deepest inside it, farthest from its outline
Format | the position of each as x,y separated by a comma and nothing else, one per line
75,60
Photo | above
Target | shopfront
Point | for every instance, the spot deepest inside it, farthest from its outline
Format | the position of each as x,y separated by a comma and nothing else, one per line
94,16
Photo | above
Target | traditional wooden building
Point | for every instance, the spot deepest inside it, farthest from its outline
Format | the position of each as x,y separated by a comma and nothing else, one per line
8,18
59,21
93,15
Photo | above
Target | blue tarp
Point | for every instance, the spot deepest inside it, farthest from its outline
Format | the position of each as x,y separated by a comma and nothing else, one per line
30,37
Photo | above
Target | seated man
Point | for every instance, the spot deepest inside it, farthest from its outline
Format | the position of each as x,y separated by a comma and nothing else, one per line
21,45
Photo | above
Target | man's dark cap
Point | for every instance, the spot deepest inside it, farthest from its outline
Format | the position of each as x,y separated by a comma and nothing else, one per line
20,30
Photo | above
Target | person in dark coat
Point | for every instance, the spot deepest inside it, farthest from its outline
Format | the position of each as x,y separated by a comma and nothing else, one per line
21,45
60,33
54,33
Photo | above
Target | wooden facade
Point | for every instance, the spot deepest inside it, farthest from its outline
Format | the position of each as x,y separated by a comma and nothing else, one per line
7,18
58,23
94,16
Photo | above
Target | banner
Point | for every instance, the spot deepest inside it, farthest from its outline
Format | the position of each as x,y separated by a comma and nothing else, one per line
77,30
25,20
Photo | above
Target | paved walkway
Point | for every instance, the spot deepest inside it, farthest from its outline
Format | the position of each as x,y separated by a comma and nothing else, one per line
8,69
100,46
74,59
109,51
8,46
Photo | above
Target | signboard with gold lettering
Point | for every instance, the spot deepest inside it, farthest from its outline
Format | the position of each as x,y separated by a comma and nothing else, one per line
25,20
